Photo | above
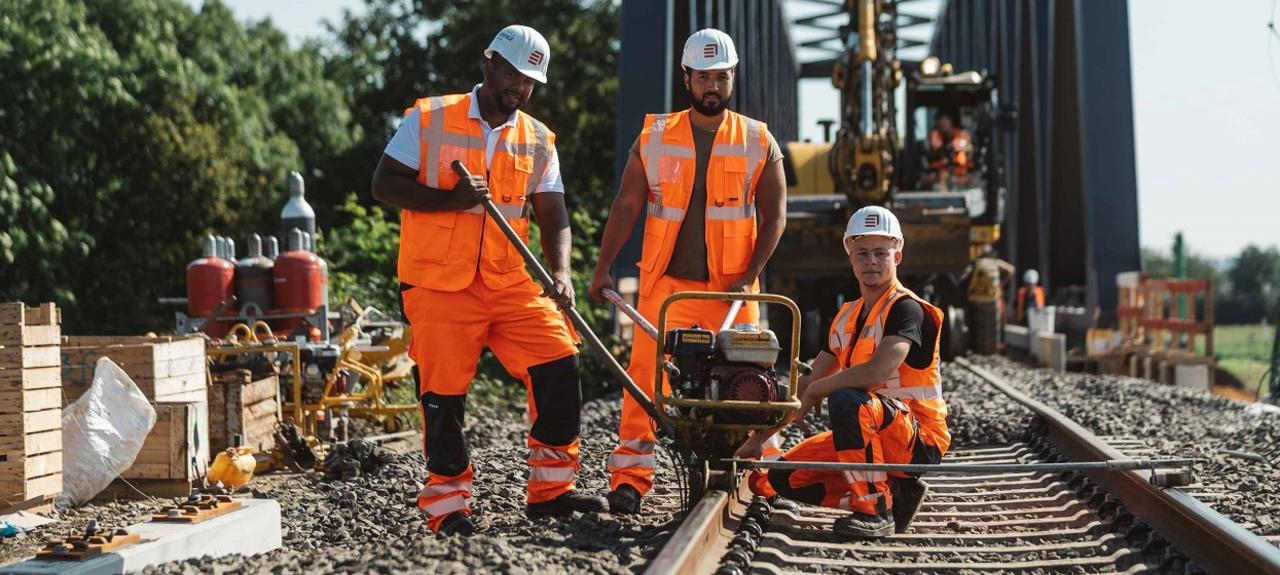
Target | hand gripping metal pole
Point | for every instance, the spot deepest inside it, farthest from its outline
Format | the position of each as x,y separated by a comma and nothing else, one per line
567,307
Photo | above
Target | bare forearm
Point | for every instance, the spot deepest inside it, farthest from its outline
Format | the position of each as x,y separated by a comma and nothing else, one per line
403,191
622,219
557,244
766,242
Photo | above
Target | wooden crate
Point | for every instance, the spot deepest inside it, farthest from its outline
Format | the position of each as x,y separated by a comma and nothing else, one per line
30,406
177,447
165,369
239,405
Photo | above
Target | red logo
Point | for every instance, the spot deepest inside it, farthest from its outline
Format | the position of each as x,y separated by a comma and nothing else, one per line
710,51
871,221
535,58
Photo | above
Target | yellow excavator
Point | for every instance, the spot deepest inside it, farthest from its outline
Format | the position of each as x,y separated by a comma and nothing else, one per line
940,174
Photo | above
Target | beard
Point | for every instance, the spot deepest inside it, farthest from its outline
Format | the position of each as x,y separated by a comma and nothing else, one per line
709,108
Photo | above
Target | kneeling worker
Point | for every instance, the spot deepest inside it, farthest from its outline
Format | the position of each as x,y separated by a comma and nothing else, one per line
880,375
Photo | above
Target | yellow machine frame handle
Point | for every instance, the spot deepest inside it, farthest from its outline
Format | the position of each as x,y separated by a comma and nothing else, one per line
785,408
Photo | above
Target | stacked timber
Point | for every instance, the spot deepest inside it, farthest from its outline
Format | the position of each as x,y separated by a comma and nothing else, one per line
240,405
165,369
30,407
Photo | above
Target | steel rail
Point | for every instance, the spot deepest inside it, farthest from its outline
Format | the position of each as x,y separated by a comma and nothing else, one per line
1214,542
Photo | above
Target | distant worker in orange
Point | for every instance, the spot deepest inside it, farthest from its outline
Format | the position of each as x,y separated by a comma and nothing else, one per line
950,153
711,184
1029,295
464,285
880,377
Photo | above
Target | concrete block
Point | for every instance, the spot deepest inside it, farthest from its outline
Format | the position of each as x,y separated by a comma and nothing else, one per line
1195,376
1050,350
1017,336
252,529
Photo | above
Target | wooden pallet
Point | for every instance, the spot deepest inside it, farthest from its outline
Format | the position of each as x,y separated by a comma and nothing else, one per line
165,369
240,405
177,448
30,405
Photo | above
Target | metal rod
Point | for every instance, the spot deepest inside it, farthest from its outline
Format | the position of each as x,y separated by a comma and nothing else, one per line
581,324
616,299
733,313
965,468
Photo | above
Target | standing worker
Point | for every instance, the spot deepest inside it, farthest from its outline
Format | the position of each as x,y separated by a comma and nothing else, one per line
464,285
880,376
701,175
1030,286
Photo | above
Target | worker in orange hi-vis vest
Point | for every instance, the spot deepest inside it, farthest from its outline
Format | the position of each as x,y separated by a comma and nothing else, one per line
464,285
879,375
1030,287
711,186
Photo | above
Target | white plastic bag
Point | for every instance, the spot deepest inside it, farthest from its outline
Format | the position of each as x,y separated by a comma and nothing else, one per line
102,433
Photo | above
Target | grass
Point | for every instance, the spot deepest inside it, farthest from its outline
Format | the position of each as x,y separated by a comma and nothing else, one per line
1245,352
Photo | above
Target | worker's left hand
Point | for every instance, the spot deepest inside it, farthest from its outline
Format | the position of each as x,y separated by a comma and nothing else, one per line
563,292
742,284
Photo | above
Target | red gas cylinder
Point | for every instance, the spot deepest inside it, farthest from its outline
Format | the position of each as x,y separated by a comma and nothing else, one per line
301,284
210,281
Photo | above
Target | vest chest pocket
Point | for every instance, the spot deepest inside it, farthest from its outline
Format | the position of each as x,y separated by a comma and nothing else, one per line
655,234
429,235
514,259
739,245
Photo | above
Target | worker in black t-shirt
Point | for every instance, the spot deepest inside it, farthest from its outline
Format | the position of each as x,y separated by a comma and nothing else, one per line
879,374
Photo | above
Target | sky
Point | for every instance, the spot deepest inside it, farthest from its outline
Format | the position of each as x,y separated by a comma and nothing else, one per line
1206,90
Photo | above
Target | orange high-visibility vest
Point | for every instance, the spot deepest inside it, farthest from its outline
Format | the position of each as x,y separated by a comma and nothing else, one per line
733,170
1021,307
920,389
960,142
443,250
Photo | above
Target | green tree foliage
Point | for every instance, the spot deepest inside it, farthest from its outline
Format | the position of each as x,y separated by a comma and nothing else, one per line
133,127
1255,286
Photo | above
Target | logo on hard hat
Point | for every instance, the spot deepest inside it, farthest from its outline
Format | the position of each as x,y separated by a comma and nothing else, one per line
871,221
710,51
535,58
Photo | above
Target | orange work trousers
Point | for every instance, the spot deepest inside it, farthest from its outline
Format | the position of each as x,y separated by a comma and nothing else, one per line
865,427
633,462
532,340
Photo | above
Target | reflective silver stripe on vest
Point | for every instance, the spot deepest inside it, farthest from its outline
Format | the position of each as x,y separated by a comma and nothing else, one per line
652,150
657,210
731,212
508,211
912,393
431,137
754,152
541,153
834,341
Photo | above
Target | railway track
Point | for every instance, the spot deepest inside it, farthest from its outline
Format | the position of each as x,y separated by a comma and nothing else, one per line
1010,521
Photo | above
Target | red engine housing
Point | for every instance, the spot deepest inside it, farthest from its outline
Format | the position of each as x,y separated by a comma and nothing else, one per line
745,383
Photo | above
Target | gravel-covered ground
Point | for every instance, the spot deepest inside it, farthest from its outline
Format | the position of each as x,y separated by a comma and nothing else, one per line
371,524
1175,422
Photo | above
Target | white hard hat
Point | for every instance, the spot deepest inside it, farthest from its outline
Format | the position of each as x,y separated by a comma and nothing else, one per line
525,48
1031,277
709,49
872,221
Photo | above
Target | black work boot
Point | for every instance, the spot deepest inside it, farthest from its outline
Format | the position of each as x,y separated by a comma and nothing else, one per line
863,526
780,503
908,498
566,504
624,499
457,523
